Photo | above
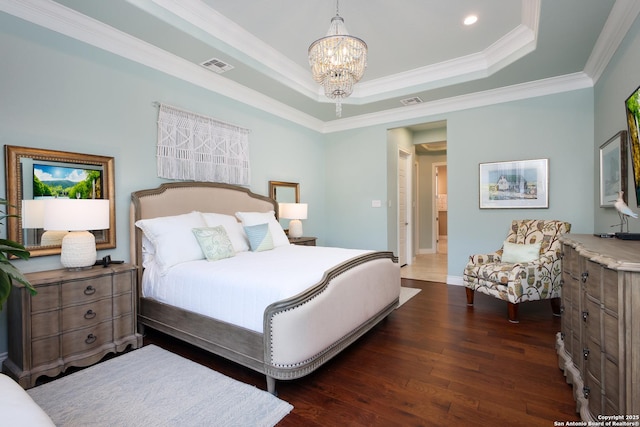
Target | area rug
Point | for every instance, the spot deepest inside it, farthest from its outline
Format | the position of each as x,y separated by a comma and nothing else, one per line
406,294
153,387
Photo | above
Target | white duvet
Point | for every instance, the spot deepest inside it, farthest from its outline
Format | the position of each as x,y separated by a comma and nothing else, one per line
237,290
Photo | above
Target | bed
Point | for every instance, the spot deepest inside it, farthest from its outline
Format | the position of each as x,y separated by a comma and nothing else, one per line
294,328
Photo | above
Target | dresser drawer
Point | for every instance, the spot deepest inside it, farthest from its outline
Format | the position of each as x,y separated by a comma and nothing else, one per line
48,298
122,304
79,292
82,316
123,327
43,349
45,324
84,340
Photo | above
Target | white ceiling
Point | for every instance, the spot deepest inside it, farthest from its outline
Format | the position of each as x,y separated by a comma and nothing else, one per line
417,48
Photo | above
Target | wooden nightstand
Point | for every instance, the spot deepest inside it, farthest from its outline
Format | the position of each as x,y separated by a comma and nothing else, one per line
303,241
76,318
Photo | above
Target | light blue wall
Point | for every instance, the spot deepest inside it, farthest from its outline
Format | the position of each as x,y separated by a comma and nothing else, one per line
621,77
60,94
558,127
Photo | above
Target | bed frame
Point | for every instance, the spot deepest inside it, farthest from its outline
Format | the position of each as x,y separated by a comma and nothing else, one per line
300,333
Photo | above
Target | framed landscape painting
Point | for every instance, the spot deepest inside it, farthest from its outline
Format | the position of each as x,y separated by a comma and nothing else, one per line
515,184
613,169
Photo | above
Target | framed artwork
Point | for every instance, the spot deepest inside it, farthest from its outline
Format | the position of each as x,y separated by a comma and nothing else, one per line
34,174
632,105
515,184
613,169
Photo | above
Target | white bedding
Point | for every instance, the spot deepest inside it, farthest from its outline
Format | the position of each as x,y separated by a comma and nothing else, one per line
237,290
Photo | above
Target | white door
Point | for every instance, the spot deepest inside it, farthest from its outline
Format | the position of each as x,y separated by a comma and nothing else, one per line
404,202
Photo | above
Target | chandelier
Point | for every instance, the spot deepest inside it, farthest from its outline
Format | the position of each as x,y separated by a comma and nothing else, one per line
338,61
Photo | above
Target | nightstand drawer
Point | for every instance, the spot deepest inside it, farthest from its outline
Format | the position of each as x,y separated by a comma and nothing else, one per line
303,241
86,339
83,291
82,316
48,298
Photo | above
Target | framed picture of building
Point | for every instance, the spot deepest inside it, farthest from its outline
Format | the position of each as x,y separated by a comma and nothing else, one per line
514,184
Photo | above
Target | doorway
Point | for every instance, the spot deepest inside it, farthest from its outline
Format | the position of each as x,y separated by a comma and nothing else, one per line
440,208
405,220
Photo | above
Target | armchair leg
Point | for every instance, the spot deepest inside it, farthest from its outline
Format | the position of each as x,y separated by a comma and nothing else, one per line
513,312
469,296
555,307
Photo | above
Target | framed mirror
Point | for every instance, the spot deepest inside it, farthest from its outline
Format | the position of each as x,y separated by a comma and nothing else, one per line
34,174
284,192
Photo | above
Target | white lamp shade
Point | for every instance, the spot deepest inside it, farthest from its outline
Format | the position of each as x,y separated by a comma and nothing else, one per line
76,214
293,210
32,213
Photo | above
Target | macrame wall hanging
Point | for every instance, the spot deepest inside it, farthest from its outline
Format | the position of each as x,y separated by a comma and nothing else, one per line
193,147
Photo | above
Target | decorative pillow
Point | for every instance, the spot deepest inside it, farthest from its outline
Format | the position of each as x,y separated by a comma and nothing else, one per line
517,252
259,237
172,238
214,242
255,218
234,229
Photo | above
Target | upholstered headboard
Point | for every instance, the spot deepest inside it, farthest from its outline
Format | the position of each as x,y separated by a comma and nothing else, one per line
177,198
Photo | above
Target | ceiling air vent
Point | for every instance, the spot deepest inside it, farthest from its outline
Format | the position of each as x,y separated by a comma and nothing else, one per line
411,101
215,64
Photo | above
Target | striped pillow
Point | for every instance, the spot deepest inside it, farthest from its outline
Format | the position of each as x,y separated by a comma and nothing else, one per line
259,237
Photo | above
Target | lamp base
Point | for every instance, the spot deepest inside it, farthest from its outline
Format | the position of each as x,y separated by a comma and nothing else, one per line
78,250
295,228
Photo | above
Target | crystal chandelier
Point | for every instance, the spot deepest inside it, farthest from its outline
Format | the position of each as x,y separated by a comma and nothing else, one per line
338,61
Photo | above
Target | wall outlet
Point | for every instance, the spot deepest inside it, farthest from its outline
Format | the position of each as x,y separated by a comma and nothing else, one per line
376,204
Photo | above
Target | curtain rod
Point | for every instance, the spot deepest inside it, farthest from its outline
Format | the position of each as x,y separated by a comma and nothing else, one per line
158,104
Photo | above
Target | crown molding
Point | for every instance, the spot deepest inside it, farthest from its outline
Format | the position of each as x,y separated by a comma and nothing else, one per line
511,47
621,18
417,113
68,22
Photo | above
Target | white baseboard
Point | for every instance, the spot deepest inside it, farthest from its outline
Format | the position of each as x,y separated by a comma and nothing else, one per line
455,280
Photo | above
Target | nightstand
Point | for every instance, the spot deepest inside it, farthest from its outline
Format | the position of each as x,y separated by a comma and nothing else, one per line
303,241
76,318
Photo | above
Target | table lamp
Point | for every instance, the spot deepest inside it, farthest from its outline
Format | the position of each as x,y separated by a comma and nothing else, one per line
295,212
77,216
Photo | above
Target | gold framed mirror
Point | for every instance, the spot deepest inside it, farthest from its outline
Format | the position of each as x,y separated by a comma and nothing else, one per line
34,173
284,192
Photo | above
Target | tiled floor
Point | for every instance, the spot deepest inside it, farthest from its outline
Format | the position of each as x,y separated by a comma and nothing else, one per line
430,267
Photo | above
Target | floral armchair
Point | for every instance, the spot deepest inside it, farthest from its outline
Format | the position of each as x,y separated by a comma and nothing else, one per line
521,281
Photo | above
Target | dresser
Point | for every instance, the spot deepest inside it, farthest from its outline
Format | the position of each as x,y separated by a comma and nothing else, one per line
75,319
599,342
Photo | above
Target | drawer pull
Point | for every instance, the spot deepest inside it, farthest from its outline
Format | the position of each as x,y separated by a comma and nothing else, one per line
562,309
89,290
585,353
585,276
90,339
585,315
90,314
586,391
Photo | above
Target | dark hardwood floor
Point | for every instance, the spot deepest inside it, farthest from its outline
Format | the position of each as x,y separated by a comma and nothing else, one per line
433,362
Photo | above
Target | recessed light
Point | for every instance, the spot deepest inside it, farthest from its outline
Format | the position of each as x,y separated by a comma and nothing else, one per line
470,20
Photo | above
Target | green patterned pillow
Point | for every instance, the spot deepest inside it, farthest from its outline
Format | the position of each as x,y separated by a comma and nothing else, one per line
214,242
259,237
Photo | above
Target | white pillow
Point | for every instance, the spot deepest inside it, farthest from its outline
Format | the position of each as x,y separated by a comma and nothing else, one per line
516,252
232,226
173,239
254,218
